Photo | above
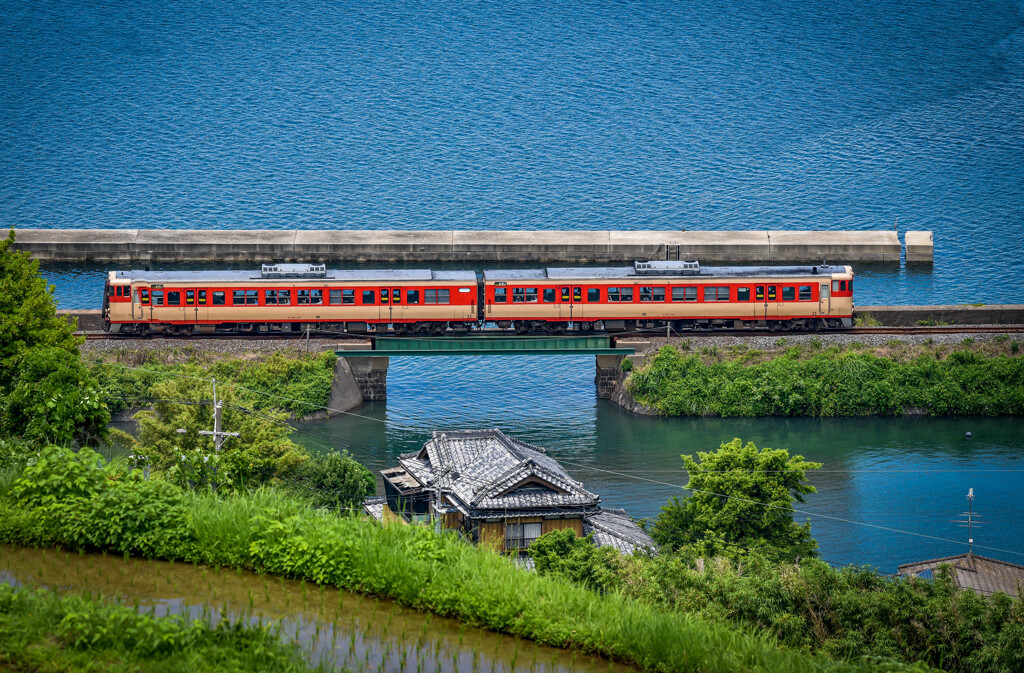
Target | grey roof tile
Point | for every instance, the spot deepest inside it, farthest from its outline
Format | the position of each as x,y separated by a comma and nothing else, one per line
614,528
978,573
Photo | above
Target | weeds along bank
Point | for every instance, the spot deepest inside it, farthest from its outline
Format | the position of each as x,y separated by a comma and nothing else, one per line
288,379
73,501
41,631
968,378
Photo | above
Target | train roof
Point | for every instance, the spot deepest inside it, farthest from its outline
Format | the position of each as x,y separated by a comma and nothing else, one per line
655,270
373,275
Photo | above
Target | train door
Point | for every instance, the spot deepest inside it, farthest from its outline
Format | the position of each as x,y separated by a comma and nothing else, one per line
189,306
771,308
391,304
570,296
825,300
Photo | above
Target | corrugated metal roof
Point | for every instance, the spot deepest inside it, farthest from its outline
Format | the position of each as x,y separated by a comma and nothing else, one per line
978,573
583,273
354,275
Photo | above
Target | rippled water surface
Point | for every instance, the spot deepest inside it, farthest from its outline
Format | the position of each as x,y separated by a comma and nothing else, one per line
593,115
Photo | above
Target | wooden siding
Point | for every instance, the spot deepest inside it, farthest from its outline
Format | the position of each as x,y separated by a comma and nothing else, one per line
561,524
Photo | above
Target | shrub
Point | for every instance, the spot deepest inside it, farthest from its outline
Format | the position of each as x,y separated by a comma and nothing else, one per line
334,480
58,475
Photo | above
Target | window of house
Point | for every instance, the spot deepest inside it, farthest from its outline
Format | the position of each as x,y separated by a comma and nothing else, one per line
500,295
788,293
440,296
158,297
521,535
743,294
549,295
412,296
218,297
173,298
368,297
805,293
594,295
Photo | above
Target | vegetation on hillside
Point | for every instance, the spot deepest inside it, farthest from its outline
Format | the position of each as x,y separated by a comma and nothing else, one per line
831,382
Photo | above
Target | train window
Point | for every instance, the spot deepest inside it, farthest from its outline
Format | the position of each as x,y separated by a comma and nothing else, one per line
145,297
771,293
334,297
412,297
270,297
759,293
851,286
500,295
110,290
252,297
190,297
173,298
441,296
788,293
594,294
384,295
316,296
368,297
716,293
743,294
577,294
549,295
202,297
158,297
565,293
284,297
685,293
627,293
620,294
396,296
238,297
530,293
835,286
651,294
218,297
518,295
842,285
805,293
613,294
348,296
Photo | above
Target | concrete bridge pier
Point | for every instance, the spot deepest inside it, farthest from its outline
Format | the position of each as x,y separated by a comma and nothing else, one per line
358,379
609,375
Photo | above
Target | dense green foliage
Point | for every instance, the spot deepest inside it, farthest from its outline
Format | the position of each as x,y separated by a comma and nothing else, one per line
334,480
845,613
299,384
726,512
269,532
46,394
261,454
834,382
41,631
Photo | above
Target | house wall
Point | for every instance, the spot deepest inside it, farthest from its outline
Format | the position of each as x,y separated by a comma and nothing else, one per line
561,524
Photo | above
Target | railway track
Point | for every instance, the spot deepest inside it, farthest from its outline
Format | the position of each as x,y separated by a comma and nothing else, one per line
320,336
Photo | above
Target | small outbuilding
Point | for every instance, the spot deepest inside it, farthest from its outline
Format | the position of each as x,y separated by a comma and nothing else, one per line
499,492
979,574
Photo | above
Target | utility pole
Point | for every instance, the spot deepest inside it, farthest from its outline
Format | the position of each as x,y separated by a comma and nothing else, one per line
218,436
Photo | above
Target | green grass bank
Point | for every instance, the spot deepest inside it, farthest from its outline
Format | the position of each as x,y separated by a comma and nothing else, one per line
77,504
969,378
43,632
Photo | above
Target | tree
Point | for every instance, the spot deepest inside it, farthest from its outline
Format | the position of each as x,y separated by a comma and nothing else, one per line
263,453
335,480
45,392
742,500
561,553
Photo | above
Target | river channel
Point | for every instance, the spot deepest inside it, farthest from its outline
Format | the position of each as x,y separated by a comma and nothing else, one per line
332,627
890,490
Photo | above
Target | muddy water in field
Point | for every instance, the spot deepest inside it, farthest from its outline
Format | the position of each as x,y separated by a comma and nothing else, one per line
334,628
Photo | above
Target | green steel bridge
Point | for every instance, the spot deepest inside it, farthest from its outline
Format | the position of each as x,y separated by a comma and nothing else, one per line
486,345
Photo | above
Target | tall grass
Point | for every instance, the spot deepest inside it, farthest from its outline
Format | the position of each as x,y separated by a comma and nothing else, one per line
41,631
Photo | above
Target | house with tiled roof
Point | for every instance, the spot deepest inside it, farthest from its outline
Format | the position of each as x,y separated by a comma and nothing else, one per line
499,492
979,574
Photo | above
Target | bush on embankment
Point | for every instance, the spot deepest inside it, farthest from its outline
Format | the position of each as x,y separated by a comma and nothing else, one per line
833,382
298,383
269,532
40,631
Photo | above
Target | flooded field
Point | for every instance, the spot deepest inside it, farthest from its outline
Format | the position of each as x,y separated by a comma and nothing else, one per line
337,629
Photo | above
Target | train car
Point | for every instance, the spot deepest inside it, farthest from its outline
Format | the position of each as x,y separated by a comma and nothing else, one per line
682,295
289,298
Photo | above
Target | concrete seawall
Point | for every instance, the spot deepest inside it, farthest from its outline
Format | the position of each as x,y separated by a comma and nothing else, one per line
124,246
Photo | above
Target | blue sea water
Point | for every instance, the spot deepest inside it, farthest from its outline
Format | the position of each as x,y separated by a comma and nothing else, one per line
724,114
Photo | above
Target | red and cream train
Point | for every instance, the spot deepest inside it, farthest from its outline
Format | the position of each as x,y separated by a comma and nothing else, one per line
294,297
